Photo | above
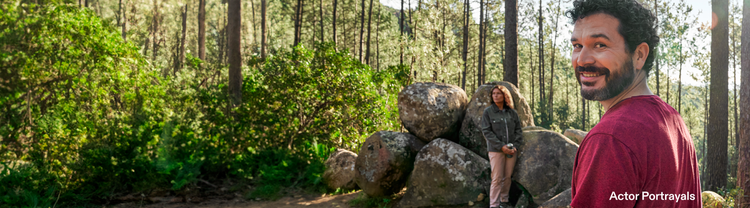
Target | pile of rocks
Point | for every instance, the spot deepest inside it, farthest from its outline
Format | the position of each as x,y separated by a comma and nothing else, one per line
442,160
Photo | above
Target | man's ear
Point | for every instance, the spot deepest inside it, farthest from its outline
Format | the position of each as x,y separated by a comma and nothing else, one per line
639,55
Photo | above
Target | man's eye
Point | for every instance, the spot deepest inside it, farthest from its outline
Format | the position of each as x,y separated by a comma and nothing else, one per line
577,46
599,45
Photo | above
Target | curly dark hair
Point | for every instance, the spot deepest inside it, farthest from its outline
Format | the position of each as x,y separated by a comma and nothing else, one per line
637,24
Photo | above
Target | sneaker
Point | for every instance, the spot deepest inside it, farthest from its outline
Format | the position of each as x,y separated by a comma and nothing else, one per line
505,205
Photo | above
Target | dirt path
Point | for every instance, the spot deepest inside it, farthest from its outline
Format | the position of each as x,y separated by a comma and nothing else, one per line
307,201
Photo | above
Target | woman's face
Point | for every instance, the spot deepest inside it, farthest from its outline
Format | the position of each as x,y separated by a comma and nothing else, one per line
498,96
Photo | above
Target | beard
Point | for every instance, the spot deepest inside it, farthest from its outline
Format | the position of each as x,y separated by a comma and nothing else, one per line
615,82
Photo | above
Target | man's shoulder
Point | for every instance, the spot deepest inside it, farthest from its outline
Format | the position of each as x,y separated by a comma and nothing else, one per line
636,115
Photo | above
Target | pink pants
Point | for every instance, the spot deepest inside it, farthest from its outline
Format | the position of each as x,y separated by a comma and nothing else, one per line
502,168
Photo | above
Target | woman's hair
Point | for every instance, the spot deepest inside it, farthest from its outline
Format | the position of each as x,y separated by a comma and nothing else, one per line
508,98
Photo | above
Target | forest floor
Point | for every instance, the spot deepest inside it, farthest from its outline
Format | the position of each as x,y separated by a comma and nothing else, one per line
291,198
303,200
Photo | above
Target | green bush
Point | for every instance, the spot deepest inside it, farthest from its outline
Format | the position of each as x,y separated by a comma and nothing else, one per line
84,117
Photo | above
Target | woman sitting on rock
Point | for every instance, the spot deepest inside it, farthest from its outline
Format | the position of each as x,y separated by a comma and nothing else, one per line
502,130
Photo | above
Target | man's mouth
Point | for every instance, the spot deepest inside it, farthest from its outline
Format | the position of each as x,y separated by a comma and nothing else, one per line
590,74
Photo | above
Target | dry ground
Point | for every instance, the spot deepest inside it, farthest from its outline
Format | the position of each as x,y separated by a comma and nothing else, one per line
298,200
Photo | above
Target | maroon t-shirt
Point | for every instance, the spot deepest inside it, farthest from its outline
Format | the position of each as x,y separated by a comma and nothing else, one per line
639,155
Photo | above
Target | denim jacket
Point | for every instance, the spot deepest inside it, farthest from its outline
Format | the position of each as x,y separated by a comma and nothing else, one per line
501,127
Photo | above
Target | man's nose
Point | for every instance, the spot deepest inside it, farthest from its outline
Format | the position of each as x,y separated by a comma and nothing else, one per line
585,57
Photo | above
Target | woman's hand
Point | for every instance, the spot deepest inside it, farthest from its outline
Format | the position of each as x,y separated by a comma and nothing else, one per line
508,151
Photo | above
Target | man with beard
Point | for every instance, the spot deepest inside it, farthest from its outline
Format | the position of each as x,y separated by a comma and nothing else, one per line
640,154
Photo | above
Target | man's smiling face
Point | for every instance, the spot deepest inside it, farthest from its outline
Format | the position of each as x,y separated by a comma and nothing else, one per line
601,59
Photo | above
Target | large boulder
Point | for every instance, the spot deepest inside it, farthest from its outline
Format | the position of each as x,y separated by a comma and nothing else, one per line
432,110
533,128
545,164
385,161
471,129
562,200
445,173
575,135
339,171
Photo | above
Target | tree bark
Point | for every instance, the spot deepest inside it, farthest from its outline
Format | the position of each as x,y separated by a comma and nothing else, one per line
361,31
401,38
540,34
743,166
656,50
298,22
481,36
335,6
734,85
202,29
124,20
679,81
155,25
465,43
511,42
369,32
322,30
718,112
181,59
550,105
377,41
583,114
235,57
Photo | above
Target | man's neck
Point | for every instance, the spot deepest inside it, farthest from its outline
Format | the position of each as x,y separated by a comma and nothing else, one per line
637,88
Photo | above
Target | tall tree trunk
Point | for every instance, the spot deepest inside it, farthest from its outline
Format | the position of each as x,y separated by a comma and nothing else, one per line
369,31
484,42
124,20
734,85
550,105
235,57
510,64
181,59
298,22
540,36
743,165
377,41
531,69
705,134
401,39
583,114
322,30
254,25
361,31
335,6
202,29
656,50
465,43
481,36
718,112
156,20
679,81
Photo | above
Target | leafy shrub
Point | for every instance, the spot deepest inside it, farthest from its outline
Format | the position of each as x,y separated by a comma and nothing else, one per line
90,119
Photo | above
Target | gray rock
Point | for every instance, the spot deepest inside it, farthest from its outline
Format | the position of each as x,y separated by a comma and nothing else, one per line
446,174
545,164
385,161
575,135
471,129
562,200
339,171
533,128
522,202
432,110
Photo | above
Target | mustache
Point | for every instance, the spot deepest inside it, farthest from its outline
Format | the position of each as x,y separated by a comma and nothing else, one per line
592,69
